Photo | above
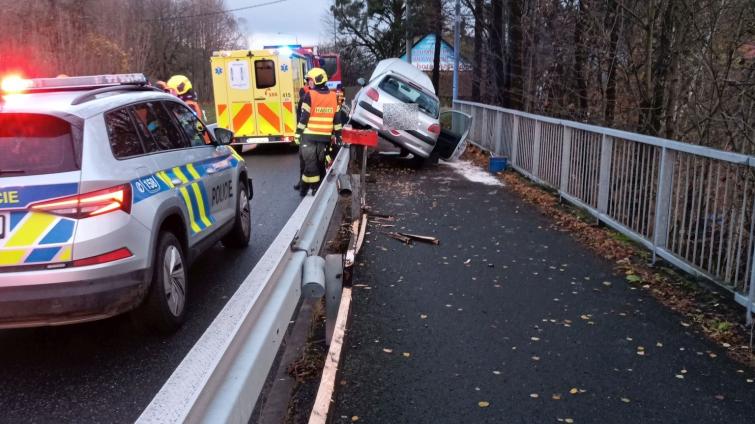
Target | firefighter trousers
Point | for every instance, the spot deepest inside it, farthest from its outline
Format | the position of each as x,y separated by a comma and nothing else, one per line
313,155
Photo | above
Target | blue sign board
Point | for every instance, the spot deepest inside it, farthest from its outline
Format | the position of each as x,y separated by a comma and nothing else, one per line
423,52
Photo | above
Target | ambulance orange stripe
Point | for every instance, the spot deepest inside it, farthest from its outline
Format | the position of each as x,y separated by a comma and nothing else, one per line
269,116
242,116
221,109
290,108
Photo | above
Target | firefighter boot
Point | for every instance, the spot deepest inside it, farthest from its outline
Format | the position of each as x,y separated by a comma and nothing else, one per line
303,189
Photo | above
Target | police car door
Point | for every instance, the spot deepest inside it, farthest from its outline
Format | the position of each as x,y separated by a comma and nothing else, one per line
217,168
178,169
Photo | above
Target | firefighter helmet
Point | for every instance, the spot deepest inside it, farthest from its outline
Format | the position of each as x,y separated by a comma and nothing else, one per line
318,75
179,83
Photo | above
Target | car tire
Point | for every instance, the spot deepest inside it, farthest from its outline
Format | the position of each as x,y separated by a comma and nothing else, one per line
164,309
242,225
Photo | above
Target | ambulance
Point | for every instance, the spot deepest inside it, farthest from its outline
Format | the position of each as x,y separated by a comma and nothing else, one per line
256,93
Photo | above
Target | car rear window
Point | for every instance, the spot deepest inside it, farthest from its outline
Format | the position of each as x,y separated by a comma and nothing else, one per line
34,144
409,94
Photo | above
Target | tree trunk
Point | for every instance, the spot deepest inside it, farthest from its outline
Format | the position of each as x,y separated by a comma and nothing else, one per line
478,24
496,50
614,20
580,59
438,41
515,79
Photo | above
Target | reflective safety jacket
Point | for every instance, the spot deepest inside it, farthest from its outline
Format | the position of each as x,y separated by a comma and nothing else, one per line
319,119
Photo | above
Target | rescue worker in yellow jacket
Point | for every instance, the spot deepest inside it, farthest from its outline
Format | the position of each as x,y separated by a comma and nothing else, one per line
319,123
302,92
184,90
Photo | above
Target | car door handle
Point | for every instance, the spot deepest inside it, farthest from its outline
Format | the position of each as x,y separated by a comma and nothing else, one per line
211,171
176,182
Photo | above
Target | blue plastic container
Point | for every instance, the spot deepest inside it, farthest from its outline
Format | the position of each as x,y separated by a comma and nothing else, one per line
497,164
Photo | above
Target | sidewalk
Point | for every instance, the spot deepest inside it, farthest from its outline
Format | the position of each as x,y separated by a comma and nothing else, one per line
509,320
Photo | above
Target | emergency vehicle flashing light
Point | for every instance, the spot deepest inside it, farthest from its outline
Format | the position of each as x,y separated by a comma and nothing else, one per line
16,84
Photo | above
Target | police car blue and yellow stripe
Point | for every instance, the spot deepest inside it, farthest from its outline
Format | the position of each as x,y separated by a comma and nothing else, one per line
34,237
191,190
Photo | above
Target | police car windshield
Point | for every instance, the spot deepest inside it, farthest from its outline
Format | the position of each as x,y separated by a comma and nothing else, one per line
34,144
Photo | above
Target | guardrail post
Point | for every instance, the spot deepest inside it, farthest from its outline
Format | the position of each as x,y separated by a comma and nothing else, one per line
565,160
515,140
333,287
499,133
604,178
536,150
663,200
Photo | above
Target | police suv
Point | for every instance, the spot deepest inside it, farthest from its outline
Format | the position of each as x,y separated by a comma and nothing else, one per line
109,189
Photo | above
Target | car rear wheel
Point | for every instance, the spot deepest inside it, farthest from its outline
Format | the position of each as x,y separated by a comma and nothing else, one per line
164,309
242,225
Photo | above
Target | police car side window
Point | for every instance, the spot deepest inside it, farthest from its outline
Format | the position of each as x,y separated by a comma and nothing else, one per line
188,122
155,124
124,140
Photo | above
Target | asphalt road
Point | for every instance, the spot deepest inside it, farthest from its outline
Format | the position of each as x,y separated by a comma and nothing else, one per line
108,371
510,312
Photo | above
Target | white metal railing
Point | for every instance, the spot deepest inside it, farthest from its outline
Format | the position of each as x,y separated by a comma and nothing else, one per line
691,205
222,376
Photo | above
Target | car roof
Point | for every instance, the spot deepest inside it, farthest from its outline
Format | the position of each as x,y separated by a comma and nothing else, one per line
59,102
404,69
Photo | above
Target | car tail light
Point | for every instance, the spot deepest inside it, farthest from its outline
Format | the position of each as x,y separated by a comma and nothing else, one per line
373,94
115,255
86,205
434,128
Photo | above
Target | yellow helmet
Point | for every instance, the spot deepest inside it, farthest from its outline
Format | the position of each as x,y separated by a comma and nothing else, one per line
179,83
318,75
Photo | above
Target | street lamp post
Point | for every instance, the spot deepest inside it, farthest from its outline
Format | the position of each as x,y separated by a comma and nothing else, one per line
457,47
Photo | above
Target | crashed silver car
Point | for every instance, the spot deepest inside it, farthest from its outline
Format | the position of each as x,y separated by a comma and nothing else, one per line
399,102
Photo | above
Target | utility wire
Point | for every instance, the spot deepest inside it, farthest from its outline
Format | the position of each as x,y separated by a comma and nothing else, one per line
220,12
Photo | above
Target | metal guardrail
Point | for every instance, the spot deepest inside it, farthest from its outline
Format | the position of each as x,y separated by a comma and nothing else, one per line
221,378
691,205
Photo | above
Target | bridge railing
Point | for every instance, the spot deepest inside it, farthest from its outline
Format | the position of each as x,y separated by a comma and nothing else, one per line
691,205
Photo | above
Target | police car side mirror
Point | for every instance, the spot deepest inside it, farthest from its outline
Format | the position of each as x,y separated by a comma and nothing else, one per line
223,136
361,82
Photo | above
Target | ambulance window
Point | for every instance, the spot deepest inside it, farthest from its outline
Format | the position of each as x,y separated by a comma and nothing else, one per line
264,73
188,122
157,127
34,144
124,139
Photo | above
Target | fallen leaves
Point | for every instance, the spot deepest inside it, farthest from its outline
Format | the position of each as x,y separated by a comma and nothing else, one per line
355,418
483,404
386,350
534,395
625,400
406,354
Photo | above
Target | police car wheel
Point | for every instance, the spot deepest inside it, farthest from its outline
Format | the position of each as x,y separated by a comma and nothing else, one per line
242,224
164,309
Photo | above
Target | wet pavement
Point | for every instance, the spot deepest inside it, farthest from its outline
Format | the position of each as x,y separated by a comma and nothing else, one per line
510,320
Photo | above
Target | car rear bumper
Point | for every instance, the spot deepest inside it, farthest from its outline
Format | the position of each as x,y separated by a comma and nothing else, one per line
368,115
71,302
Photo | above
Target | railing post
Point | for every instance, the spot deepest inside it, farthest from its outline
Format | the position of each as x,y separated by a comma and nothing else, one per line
663,200
484,135
536,150
604,178
515,140
499,133
565,160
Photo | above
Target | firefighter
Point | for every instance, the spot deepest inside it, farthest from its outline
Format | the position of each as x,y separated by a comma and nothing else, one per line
318,124
184,90
308,84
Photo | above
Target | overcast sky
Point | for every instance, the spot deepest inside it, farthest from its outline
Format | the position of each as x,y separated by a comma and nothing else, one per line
282,23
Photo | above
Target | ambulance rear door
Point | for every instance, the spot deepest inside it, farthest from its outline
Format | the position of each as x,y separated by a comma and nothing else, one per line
267,94
237,114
